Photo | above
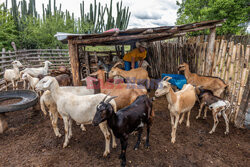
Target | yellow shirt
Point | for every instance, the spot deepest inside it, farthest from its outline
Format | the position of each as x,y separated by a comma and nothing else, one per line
136,54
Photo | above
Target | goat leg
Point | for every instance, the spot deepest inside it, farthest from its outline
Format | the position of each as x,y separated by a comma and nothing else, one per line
13,84
175,128
226,121
139,139
114,145
70,128
188,122
66,129
124,143
201,107
216,121
205,113
104,128
54,123
182,118
147,139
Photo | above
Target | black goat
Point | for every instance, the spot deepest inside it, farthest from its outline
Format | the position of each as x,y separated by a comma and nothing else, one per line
127,120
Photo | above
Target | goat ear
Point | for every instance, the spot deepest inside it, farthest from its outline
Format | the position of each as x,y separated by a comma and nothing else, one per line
47,84
116,64
111,98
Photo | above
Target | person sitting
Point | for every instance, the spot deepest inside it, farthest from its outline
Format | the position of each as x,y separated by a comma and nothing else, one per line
138,54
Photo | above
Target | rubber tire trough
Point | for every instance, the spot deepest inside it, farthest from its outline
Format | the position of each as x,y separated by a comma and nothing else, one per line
29,99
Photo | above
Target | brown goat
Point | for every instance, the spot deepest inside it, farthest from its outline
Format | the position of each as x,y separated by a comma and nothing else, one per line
137,75
215,84
63,80
126,92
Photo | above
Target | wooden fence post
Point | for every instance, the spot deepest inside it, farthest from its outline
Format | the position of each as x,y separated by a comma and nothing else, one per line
74,61
210,50
241,115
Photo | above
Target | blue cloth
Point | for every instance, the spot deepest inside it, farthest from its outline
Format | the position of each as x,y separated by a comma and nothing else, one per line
127,65
177,79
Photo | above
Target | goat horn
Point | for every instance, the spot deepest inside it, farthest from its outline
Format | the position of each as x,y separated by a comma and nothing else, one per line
168,78
116,64
106,97
108,100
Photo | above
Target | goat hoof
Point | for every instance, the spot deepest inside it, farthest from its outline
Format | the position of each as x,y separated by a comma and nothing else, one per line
65,145
173,141
188,126
211,132
226,133
146,146
123,164
106,153
204,117
59,135
197,117
114,145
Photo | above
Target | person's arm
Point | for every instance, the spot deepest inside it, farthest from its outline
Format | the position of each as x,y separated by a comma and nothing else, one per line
132,62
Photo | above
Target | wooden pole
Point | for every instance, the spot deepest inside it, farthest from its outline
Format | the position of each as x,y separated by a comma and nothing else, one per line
210,50
74,61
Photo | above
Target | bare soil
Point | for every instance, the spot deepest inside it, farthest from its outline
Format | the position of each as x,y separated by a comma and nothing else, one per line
30,141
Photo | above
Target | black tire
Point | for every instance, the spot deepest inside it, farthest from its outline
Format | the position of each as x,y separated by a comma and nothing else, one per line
29,99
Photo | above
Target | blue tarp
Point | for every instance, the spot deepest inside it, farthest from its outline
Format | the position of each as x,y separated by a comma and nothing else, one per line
177,79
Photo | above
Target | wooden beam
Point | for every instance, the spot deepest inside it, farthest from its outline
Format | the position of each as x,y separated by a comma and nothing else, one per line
74,61
210,50
119,38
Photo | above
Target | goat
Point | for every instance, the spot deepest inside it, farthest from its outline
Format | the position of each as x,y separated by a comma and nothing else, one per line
32,80
79,108
63,80
217,105
178,102
215,84
12,75
145,65
47,101
126,120
107,67
34,72
127,93
137,75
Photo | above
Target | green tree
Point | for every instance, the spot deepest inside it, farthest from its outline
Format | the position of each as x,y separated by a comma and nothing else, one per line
234,11
8,31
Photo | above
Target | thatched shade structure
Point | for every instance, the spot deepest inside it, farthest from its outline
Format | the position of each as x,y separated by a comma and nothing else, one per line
130,36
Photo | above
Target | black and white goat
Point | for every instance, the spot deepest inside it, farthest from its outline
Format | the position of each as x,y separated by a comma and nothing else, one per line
216,104
125,121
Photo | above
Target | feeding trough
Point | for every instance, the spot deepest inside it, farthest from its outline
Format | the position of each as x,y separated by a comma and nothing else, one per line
177,79
26,99
15,100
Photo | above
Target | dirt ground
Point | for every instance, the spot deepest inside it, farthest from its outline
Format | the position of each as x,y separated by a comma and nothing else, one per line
30,141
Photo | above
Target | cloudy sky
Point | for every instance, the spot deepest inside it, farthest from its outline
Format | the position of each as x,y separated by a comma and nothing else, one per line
144,13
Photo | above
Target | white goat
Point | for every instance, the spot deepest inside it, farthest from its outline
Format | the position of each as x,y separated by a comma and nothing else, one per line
32,80
35,72
145,65
13,75
178,102
79,108
47,101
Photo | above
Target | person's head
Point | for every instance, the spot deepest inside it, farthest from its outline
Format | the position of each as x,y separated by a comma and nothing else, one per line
142,46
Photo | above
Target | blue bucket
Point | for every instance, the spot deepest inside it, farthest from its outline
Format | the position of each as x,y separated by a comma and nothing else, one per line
177,79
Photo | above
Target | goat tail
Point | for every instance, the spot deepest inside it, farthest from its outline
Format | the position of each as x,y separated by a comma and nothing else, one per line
43,106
